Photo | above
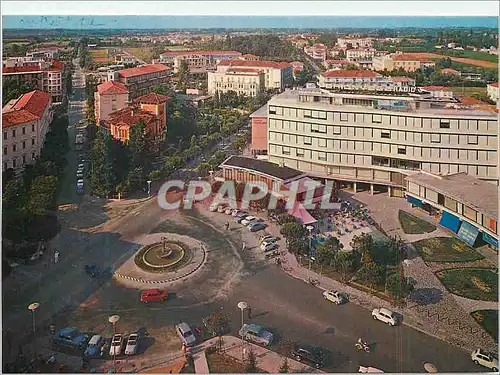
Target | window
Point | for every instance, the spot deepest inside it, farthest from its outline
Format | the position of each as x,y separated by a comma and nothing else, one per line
286,150
33,156
336,130
402,150
444,124
322,156
14,163
272,110
4,136
343,116
14,133
472,139
300,152
307,141
5,150
386,135
32,141
435,138
377,119
14,147
113,107
24,145
322,142
24,159
5,166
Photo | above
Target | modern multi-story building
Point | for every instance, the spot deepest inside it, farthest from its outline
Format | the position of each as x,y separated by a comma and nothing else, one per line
46,76
407,62
197,61
364,80
317,51
370,140
243,81
139,80
110,96
493,91
278,75
25,122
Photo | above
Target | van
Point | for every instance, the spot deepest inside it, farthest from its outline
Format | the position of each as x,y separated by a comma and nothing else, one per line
185,334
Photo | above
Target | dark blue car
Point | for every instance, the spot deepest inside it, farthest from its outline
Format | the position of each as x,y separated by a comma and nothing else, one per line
71,337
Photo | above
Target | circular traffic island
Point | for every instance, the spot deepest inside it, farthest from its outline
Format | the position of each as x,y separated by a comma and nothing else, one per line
165,256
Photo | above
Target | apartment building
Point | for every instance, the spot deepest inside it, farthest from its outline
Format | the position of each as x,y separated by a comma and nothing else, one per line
335,64
197,61
44,54
317,51
110,96
354,42
409,63
25,122
364,80
359,54
243,81
492,90
46,76
438,91
378,140
139,80
278,75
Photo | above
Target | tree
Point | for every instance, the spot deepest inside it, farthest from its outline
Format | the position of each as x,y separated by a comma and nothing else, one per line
251,362
371,273
13,89
343,262
327,252
102,176
286,218
398,286
182,76
284,367
293,230
217,323
42,196
363,244
204,168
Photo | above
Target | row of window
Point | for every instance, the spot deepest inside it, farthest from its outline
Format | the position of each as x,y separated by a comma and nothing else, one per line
14,132
14,164
370,133
14,146
367,160
394,120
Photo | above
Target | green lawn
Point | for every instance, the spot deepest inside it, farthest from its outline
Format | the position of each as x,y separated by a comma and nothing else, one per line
414,225
474,283
479,56
468,91
488,319
446,249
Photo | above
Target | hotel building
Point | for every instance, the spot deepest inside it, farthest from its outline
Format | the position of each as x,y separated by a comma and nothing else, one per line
197,61
139,80
243,81
378,140
395,61
364,80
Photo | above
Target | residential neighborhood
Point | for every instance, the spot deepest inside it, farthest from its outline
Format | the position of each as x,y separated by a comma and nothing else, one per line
246,199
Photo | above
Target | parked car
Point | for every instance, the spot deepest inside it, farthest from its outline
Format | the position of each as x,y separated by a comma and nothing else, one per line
79,174
385,315
116,345
185,334
132,342
247,220
71,337
81,166
153,295
267,238
228,211
488,360
308,354
94,347
269,247
256,334
235,212
255,227
213,207
334,296
79,189
80,181
267,243
365,370
222,208
239,219
241,214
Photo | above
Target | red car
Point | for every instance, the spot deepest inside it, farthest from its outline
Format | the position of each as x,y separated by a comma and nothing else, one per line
152,295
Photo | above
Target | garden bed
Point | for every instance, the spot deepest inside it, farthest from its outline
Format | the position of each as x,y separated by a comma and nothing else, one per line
446,249
414,225
224,364
488,319
474,283
186,259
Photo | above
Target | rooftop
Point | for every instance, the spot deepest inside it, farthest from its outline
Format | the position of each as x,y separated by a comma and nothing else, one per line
478,194
28,107
494,84
251,71
402,79
112,88
152,98
177,53
140,70
130,116
38,68
350,74
261,166
435,88
257,64
337,61
261,112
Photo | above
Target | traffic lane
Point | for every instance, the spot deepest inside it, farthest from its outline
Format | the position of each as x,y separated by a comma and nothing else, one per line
296,311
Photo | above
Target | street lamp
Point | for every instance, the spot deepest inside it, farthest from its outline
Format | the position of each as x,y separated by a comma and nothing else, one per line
113,319
310,229
242,306
149,187
33,306
211,173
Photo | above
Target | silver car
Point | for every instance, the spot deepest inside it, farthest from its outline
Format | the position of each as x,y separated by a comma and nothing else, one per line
185,334
131,347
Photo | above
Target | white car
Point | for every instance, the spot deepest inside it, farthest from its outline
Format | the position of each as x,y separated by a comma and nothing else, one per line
267,243
213,207
81,166
385,315
365,370
116,345
269,247
79,182
221,208
482,358
228,211
334,296
235,212
248,220
79,174
131,347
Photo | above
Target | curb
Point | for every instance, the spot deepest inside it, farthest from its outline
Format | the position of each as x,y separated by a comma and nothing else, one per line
139,280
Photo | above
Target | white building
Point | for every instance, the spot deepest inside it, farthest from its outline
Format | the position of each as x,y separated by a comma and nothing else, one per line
353,42
317,51
379,139
493,91
197,61
438,91
407,62
278,75
360,54
364,80
243,81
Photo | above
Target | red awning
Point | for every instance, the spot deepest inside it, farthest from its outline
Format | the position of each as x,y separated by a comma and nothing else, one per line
302,214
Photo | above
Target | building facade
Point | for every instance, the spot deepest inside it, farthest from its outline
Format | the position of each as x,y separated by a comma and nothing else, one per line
139,80
335,64
317,51
364,80
243,81
354,42
379,139
197,61
356,54
110,96
277,75
25,122
407,62
259,131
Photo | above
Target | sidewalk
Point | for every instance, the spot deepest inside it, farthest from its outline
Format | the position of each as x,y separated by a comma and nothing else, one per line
234,347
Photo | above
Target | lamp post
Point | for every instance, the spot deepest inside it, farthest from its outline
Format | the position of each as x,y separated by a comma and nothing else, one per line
113,319
242,305
149,187
33,306
211,173
310,229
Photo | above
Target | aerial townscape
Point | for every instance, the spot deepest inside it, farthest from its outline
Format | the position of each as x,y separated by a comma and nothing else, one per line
218,199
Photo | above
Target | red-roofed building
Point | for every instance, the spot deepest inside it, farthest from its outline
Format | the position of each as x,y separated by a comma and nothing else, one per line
335,64
317,51
242,80
197,61
450,71
364,80
277,75
439,91
45,76
492,90
139,80
250,57
406,61
25,122
110,96
156,104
